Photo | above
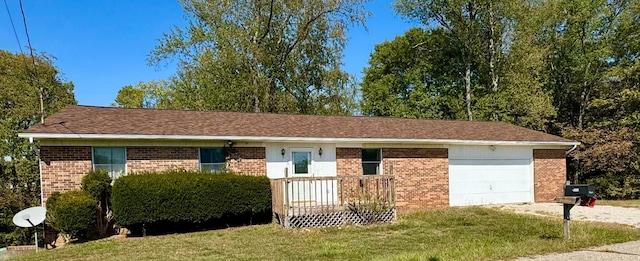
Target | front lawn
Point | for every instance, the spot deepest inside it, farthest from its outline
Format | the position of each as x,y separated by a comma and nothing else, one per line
634,203
447,234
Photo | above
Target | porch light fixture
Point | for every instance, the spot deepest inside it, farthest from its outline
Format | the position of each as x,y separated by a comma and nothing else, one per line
320,151
282,152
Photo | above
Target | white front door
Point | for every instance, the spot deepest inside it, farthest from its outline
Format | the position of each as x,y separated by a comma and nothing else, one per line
301,166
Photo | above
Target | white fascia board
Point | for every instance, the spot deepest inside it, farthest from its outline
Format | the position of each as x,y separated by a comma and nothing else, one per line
291,139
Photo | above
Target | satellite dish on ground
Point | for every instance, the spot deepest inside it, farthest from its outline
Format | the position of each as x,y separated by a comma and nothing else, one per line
30,217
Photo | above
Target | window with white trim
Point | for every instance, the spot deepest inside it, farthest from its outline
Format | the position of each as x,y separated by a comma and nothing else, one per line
111,159
371,159
212,159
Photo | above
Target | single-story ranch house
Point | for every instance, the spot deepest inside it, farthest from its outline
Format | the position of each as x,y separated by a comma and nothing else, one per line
434,163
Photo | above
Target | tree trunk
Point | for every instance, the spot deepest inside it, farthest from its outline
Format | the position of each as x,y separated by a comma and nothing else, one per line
492,59
584,97
467,88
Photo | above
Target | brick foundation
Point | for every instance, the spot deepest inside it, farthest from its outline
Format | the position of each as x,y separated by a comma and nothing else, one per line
150,159
348,161
62,168
249,160
550,173
422,177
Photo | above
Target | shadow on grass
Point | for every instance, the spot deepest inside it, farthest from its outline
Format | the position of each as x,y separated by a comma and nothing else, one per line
549,236
168,227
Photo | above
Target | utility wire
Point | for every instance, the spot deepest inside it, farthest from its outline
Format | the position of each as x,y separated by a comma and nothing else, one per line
15,33
33,59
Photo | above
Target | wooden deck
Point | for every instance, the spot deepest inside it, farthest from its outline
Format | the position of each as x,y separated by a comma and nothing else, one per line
333,201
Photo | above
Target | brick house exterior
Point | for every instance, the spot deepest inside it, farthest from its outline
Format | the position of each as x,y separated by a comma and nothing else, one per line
550,167
421,173
416,152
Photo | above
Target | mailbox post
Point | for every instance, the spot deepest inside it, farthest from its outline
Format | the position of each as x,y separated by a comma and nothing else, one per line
573,195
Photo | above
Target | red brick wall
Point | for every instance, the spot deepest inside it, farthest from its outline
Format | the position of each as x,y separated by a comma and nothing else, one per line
422,177
62,168
249,160
550,174
348,161
146,159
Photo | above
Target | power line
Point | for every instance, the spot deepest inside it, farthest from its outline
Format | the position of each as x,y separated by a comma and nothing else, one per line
15,33
33,59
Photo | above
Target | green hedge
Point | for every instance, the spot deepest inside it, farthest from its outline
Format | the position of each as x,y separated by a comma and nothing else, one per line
73,212
192,197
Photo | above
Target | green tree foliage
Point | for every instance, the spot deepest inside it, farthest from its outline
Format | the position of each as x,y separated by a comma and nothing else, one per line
130,97
19,109
491,58
262,56
414,76
152,94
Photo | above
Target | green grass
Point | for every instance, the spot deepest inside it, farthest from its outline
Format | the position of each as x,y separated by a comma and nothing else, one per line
634,203
447,234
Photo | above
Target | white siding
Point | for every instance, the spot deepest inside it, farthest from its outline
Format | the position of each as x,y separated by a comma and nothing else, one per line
322,166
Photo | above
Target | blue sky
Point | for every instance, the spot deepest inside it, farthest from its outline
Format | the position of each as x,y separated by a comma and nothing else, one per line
102,45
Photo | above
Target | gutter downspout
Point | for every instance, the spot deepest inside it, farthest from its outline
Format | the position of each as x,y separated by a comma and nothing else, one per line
572,149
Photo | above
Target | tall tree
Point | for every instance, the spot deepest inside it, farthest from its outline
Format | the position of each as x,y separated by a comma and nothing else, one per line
610,130
461,18
262,55
19,109
414,76
580,35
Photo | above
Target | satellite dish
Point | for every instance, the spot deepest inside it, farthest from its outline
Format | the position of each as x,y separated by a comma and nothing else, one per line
30,217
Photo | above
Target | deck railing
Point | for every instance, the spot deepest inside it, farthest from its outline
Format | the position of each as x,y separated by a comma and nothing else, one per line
363,196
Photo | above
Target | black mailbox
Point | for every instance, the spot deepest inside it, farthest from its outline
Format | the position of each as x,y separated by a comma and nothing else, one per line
580,190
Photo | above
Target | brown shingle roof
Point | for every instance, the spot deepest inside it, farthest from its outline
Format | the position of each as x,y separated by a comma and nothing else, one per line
105,120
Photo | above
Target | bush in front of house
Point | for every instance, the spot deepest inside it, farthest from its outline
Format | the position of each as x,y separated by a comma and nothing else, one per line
181,197
72,213
98,184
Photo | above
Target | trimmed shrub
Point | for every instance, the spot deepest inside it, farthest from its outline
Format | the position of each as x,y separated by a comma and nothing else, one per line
187,197
51,215
74,211
98,184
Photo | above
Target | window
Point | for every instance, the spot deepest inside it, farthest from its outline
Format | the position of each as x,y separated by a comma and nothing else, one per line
212,159
301,162
371,159
113,160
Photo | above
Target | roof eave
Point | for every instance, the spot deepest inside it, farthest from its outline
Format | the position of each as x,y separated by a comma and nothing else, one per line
32,136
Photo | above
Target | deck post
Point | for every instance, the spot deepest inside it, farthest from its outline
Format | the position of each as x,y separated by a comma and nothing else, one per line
286,197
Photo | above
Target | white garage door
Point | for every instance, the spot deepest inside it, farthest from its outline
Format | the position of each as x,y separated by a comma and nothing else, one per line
490,178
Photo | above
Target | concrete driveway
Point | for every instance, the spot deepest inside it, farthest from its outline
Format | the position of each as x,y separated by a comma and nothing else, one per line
610,214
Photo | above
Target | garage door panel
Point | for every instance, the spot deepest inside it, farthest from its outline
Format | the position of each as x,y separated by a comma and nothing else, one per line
489,187
488,198
489,181
463,177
